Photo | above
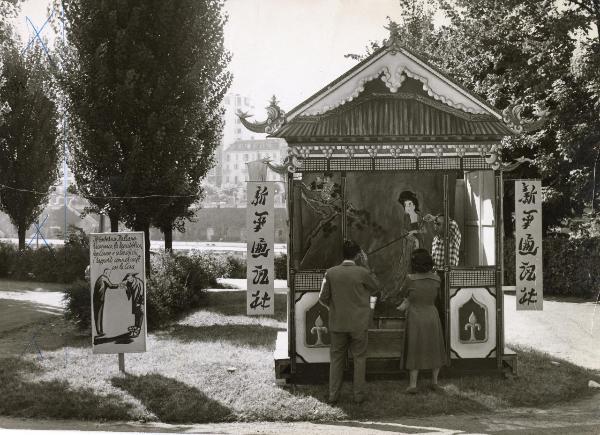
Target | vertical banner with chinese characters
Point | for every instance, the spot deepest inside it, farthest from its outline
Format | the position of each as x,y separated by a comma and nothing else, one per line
118,290
260,230
528,244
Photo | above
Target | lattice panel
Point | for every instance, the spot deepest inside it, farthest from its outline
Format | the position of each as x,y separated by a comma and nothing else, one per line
391,164
475,163
308,280
433,163
472,278
313,165
353,164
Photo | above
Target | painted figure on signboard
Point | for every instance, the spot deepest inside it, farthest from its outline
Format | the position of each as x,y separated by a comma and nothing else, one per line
134,288
437,248
412,237
102,284
413,218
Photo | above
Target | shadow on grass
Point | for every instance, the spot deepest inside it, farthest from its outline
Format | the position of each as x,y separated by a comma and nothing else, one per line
52,399
173,401
233,303
26,327
387,399
244,335
542,380
15,314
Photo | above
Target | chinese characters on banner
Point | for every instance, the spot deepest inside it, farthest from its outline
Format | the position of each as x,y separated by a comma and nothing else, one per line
260,230
118,287
528,244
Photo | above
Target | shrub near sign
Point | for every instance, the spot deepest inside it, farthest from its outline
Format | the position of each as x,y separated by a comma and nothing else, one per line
118,288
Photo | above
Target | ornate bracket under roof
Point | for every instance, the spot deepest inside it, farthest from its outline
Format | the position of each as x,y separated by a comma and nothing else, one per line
513,117
275,119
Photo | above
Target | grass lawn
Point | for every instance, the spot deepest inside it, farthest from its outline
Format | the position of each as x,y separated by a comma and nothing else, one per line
217,365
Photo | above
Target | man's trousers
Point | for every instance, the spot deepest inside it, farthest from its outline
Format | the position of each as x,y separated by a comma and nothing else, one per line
340,343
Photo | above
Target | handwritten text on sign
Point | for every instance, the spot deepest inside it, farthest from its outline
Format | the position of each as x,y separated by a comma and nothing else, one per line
118,287
260,230
528,244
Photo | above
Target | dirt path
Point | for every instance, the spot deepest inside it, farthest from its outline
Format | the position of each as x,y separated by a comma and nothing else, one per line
567,330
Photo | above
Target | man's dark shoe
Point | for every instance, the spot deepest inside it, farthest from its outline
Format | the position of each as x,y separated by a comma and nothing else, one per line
332,401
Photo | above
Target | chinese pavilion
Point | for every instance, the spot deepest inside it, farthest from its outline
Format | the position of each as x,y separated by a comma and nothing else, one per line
392,124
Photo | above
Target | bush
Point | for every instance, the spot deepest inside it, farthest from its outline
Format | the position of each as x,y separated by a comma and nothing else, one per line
8,253
174,287
64,264
238,267
177,283
570,266
281,266
78,304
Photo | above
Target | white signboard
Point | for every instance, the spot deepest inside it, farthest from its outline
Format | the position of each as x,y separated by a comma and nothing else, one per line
260,230
118,286
528,244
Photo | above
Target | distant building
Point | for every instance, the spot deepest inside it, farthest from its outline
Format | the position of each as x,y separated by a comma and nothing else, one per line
235,171
232,131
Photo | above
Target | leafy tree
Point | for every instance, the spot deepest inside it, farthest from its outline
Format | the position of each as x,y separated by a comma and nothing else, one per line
29,150
520,51
145,80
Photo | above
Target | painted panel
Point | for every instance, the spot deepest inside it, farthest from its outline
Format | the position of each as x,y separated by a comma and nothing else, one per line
528,238
307,313
473,322
260,250
380,224
118,290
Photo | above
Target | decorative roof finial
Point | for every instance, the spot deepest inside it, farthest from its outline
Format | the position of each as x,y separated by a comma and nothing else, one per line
394,40
275,118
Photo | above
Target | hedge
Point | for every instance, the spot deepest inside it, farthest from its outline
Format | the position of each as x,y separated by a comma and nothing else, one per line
238,267
570,266
61,264
174,288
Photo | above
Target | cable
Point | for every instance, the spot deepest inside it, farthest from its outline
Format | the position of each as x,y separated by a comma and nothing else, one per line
35,192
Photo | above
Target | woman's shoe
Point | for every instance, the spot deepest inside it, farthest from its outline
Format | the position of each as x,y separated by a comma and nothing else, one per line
436,388
411,390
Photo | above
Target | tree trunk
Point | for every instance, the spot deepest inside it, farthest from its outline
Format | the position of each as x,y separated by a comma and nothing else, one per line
168,232
114,222
21,229
146,229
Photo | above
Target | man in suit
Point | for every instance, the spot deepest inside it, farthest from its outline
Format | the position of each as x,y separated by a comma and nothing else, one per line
102,284
134,288
346,292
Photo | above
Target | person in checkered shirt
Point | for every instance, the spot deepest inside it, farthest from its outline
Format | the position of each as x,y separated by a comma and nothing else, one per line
437,247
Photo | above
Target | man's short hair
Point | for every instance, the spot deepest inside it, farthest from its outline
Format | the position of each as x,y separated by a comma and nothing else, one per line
350,250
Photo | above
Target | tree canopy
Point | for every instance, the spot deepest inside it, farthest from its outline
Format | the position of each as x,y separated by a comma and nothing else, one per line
538,54
145,81
29,149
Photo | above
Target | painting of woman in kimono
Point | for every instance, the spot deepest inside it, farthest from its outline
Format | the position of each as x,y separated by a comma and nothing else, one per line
413,218
413,223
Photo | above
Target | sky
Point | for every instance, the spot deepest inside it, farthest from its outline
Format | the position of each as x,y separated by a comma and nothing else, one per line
287,48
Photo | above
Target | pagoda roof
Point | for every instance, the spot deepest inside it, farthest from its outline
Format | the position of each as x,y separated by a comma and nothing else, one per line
393,96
